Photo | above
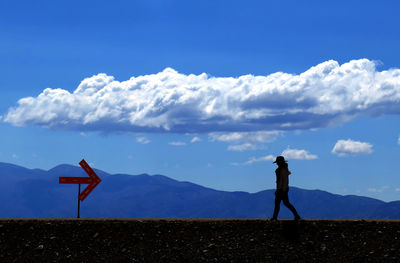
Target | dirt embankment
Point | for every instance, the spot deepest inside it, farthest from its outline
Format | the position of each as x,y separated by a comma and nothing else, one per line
207,240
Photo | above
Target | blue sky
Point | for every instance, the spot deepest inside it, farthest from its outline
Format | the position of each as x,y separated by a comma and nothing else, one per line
318,81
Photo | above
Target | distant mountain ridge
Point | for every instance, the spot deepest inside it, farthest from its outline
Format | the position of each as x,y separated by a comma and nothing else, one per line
33,193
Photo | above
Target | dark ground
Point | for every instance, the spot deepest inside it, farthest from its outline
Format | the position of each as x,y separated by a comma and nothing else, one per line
198,240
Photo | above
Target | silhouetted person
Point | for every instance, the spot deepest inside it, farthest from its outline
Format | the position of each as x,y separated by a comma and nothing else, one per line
282,188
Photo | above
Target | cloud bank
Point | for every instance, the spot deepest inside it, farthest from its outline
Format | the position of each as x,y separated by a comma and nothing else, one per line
350,147
325,95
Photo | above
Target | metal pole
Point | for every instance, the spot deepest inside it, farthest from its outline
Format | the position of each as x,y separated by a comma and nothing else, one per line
79,201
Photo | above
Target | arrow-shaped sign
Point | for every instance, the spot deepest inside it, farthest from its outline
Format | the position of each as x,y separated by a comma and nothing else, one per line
93,180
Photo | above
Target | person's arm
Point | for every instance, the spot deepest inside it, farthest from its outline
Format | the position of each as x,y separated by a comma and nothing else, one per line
285,179
278,179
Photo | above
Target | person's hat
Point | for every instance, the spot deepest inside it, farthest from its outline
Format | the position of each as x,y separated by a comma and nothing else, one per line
280,159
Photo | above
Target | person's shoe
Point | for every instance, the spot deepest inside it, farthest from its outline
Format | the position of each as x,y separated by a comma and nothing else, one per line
273,219
297,218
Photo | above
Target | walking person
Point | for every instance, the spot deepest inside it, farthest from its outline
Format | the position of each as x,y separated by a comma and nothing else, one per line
282,188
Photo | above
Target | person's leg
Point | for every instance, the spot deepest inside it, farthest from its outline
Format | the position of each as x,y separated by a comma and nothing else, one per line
277,204
285,199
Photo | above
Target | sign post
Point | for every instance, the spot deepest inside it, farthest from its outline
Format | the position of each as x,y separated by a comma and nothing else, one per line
79,201
93,180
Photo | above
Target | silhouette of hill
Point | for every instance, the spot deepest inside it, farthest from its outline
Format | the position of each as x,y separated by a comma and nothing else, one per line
32,193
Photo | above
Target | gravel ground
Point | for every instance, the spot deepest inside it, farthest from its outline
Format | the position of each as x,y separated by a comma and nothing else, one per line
198,240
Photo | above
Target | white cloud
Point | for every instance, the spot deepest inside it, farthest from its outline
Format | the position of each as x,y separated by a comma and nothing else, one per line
398,140
248,140
325,95
177,143
397,189
256,160
14,156
143,140
350,147
295,154
260,159
242,147
195,139
248,137
378,190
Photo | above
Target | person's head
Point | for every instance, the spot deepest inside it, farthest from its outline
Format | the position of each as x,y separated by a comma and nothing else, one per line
280,161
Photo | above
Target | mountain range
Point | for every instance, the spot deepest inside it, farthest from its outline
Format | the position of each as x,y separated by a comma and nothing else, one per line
36,193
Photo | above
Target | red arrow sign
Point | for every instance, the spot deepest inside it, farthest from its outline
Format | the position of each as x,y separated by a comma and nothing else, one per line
93,180
75,180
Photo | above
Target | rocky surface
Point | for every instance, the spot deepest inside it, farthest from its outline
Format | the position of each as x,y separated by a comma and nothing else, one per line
198,240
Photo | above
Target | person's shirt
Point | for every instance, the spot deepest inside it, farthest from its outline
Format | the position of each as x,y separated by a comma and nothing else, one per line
282,178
